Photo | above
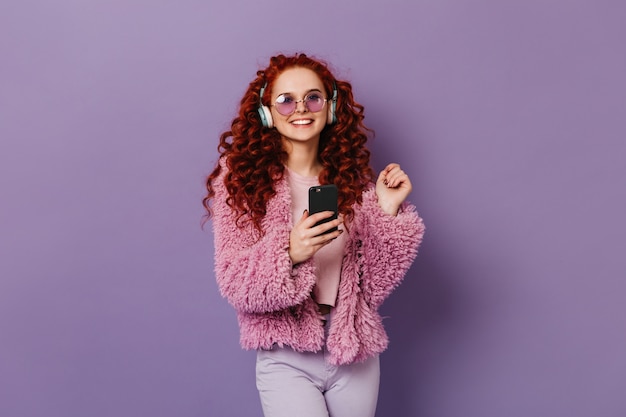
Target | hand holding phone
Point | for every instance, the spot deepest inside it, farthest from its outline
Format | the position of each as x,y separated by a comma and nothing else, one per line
304,242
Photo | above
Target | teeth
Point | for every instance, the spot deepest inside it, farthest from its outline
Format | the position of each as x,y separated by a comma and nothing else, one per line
302,122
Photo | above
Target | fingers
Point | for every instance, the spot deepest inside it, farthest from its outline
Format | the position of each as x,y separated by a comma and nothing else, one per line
393,176
309,222
307,227
324,238
327,231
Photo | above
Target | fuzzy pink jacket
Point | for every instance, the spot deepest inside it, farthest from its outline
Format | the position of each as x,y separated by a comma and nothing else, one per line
272,297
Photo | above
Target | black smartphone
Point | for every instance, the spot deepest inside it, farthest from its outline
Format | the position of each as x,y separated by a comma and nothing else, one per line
323,198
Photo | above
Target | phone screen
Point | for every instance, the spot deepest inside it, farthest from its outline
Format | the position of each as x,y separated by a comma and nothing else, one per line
323,198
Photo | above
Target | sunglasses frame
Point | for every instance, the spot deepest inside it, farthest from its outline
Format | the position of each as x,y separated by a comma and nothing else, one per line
302,100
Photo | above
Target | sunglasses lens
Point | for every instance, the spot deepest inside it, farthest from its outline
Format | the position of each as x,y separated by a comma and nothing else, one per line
314,102
285,104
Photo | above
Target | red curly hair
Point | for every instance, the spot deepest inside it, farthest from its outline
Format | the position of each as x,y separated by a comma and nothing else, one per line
255,157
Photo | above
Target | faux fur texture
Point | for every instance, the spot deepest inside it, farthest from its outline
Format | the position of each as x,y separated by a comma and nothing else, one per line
272,297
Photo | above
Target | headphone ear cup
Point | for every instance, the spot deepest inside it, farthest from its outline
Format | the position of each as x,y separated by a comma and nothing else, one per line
266,116
331,118
264,112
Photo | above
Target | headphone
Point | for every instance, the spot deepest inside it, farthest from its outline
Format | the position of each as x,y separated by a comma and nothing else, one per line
266,115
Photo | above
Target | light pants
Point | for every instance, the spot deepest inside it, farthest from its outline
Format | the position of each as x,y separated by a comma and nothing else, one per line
293,384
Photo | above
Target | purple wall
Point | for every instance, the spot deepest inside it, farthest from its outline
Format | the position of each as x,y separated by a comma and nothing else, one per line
509,116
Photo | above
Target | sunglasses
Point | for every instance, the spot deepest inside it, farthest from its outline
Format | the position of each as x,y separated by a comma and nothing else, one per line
285,104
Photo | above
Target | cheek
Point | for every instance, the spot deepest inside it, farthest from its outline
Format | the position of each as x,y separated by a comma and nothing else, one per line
280,122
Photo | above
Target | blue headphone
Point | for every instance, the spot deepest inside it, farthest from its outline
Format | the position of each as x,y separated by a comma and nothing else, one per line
266,115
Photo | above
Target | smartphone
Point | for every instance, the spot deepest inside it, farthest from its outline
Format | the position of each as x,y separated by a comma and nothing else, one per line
323,198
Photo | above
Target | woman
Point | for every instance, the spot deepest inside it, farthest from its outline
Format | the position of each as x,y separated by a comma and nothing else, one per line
307,296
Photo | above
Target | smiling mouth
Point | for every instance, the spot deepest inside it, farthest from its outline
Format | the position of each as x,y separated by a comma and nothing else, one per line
302,122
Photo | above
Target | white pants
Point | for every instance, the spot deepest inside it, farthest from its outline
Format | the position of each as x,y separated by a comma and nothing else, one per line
293,384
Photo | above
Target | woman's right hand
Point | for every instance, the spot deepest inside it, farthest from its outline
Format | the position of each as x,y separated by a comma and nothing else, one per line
306,239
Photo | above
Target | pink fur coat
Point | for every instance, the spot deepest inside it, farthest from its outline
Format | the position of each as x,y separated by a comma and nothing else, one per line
272,297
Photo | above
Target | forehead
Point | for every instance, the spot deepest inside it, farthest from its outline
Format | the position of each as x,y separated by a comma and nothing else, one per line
297,80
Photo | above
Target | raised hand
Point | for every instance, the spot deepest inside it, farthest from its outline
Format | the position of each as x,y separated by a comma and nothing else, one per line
392,188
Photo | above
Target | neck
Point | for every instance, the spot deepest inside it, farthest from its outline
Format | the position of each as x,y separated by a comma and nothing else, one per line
303,159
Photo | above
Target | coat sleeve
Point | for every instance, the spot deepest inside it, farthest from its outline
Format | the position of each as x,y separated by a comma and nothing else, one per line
254,272
386,246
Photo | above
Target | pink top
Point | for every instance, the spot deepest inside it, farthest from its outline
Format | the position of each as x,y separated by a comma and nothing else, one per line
327,260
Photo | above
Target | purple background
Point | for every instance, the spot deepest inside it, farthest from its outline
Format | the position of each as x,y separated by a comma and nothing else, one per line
508,116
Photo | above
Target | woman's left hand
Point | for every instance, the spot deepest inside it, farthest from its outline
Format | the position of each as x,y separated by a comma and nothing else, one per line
392,188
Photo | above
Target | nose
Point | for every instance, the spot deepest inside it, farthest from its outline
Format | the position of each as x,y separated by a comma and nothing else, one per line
301,107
